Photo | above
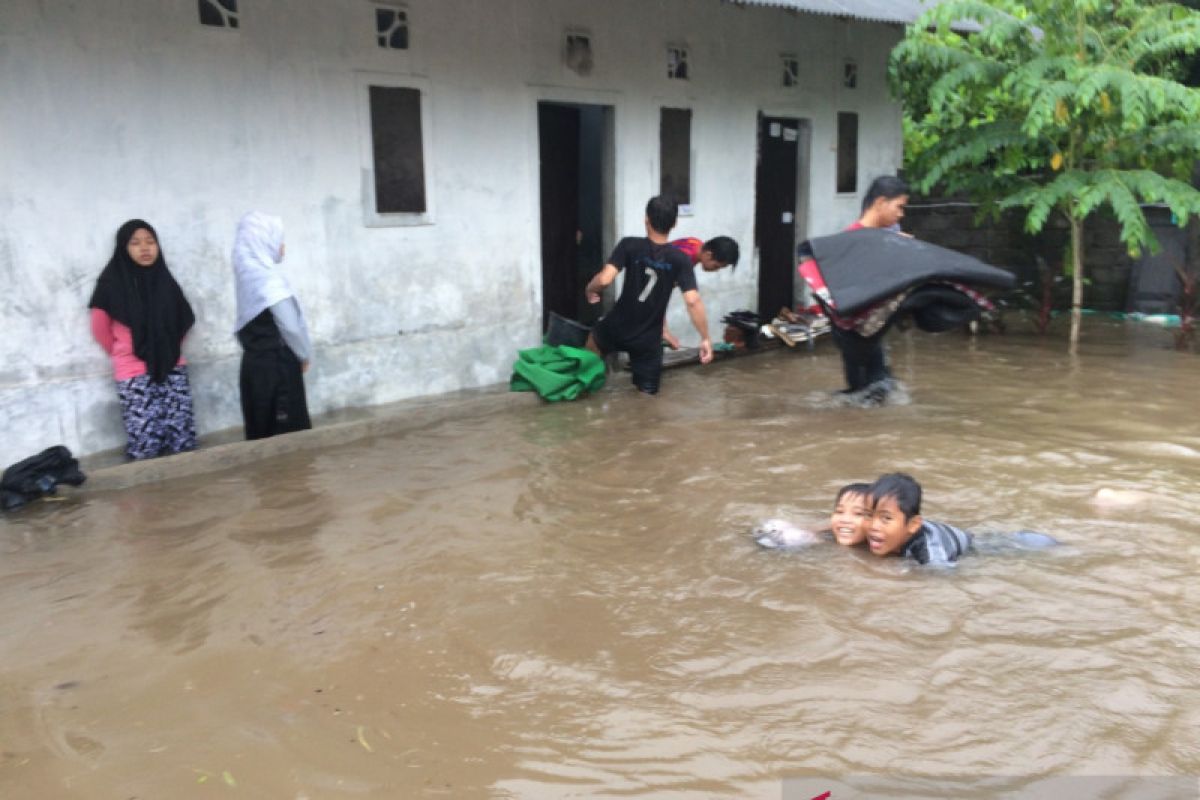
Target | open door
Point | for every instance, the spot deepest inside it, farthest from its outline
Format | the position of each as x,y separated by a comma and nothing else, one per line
775,211
573,145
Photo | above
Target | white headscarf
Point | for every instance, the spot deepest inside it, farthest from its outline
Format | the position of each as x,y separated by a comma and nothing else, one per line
257,248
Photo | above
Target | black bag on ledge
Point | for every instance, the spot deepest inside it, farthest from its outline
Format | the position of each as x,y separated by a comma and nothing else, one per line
38,476
747,322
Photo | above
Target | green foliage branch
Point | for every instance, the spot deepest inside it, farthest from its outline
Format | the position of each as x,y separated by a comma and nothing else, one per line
1054,106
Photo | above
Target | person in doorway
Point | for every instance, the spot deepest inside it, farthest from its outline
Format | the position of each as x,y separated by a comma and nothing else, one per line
863,359
139,316
897,528
712,256
653,268
276,350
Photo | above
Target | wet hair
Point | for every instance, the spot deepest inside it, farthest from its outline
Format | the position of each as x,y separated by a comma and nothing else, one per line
723,249
662,211
887,187
900,487
852,488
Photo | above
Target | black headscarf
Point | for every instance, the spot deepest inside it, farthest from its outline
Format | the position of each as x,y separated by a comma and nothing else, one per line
147,300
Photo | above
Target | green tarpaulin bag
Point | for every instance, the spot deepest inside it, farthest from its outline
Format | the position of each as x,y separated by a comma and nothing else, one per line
557,373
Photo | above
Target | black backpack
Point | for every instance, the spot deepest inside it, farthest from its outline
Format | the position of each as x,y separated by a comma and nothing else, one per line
38,476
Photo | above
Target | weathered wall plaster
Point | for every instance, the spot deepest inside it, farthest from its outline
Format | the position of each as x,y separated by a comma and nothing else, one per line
133,109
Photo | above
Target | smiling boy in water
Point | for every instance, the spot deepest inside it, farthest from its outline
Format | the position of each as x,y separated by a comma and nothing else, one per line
849,523
851,518
898,529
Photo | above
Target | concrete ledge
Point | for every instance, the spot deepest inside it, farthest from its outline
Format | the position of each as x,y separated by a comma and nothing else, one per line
377,421
225,449
690,356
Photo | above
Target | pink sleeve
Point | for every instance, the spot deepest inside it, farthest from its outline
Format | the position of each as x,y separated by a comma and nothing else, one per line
102,329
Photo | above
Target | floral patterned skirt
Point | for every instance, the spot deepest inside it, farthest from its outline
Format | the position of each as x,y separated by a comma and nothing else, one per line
158,416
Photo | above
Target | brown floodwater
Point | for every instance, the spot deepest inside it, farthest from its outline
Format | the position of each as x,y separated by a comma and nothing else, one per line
564,600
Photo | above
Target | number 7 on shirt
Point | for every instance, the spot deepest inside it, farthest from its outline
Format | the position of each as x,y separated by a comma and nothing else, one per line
653,279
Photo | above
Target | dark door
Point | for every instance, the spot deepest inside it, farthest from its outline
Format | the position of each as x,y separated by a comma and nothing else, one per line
573,146
558,148
593,162
775,212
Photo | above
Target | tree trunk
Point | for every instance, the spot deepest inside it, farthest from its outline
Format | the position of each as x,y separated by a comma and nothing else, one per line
1076,279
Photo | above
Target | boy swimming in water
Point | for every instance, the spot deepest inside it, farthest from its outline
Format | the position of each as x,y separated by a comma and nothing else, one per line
897,527
849,522
851,518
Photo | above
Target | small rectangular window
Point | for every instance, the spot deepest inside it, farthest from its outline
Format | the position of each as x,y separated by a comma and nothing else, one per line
391,27
791,71
675,155
677,63
850,74
218,13
397,149
578,53
847,153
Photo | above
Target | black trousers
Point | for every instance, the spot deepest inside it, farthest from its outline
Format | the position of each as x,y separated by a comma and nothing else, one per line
273,399
863,359
645,355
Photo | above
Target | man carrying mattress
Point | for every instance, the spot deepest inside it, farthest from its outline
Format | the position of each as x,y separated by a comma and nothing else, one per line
871,275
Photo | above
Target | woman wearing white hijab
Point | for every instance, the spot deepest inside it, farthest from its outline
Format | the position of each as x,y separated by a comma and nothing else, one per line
270,327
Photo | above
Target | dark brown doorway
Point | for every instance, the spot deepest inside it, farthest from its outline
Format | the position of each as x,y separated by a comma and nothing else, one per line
775,211
573,146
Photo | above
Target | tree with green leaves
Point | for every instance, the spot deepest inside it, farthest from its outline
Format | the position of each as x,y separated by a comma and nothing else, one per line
1055,106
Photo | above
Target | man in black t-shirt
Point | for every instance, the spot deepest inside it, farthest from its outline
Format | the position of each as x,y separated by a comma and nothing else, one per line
653,268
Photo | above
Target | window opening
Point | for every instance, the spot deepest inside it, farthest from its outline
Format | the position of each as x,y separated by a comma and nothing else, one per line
675,155
391,27
847,153
791,71
397,150
677,63
218,13
578,53
850,75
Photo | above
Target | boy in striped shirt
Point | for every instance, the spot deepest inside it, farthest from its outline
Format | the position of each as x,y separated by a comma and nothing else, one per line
897,527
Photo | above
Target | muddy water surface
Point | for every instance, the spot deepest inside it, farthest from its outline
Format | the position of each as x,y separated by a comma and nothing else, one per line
563,601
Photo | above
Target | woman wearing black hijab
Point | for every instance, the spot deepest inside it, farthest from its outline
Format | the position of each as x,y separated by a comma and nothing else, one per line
139,317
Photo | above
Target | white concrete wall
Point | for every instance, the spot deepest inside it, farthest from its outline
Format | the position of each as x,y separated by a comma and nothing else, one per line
132,109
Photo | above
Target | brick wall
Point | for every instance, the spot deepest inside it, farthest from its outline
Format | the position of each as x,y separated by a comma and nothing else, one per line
1004,243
